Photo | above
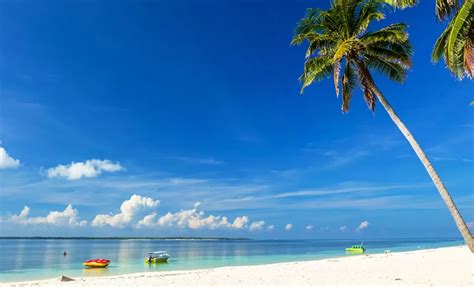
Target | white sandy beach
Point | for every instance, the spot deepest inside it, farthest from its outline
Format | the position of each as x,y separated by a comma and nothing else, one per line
451,266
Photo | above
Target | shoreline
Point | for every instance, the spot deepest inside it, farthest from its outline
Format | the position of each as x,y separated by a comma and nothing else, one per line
443,266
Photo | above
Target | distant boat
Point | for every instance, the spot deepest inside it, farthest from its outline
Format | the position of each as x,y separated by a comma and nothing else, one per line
96,263
356,249
157,257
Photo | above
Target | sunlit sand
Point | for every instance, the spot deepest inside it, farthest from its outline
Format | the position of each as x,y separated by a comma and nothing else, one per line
450,266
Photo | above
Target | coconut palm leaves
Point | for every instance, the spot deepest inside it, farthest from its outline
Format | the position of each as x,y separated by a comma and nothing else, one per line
340,44
456,43
402,4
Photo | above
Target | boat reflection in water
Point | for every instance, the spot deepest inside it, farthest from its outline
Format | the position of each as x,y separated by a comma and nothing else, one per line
95,271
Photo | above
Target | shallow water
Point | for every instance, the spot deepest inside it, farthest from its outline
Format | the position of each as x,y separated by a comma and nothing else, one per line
29,259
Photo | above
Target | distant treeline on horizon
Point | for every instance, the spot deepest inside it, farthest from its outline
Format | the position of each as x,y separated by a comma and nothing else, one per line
124,238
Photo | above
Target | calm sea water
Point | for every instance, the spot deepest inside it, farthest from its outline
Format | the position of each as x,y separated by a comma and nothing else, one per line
28,259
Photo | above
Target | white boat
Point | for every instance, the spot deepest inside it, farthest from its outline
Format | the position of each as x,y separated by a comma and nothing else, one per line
157,257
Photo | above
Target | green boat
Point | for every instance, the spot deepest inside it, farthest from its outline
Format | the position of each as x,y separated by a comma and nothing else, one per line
356,249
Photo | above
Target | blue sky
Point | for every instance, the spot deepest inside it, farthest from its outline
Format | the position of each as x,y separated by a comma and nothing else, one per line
179,110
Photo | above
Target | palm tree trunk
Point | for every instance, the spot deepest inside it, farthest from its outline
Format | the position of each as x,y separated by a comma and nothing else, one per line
466,234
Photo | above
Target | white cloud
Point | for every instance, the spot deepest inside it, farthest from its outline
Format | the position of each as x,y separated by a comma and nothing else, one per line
343,228
21,218
70,216
7,161
309,227
257,225
193,219
129,210
270,228
211,222
344,188
78,170
363,225
240,222
288,227
140,212
148,220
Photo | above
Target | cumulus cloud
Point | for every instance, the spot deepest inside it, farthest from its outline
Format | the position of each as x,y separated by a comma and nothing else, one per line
288,227
21,218
148,220
270,228
309,228
193,219
343,228
129,210
78,170
70,217
6,161
240,222
185,218
140,212
257,225
363,225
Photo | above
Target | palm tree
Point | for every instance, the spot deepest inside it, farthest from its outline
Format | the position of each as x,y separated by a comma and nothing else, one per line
456,43
340,44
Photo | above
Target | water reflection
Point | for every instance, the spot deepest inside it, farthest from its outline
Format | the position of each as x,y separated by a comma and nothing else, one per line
20,254
96,271
155,266
41,259
126,250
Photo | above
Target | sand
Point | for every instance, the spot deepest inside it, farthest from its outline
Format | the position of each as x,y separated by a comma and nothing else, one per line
450,266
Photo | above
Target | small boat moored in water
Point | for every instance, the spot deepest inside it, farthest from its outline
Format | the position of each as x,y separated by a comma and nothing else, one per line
157,257
356,249
96,263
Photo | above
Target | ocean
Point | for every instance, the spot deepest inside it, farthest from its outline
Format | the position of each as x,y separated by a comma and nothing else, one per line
31,259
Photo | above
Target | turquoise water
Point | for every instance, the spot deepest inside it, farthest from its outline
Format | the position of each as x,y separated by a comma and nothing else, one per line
29,259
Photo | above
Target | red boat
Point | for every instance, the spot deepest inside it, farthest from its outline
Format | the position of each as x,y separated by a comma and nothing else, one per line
96,263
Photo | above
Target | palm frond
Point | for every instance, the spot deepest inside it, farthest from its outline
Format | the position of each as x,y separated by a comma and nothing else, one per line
334,22
369,96
401,4
341,51
317,69
370,11
394,53
337,70
316,42
338,38
458,37
310,22
366,83
349,80
344,47
440,46
444,8
395,33
364,23
393,70
469,57
346,11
